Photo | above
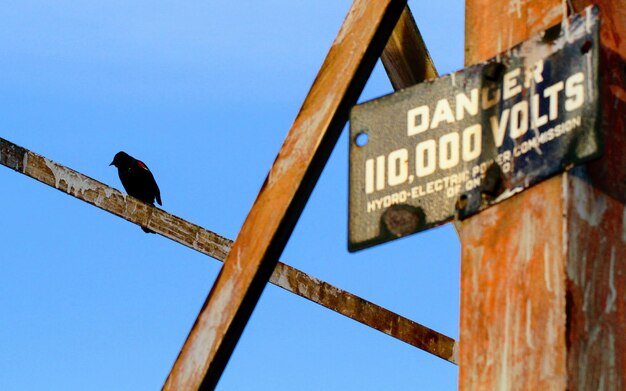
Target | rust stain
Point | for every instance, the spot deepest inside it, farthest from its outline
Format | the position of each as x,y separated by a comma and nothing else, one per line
504,335
596,278
111,200
505,341
218,247
265,232
12,156
596,268
543,274
213,245
365,312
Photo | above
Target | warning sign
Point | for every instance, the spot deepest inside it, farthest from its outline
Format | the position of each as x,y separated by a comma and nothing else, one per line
452,146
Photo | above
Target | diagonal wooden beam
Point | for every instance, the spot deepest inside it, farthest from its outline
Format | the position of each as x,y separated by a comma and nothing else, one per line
111,200
407,62
406,58
365,312
216,246
287,187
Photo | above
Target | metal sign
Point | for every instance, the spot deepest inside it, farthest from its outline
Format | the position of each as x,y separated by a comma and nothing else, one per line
452,146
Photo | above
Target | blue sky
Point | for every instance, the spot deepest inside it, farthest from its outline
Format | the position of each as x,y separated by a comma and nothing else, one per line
204,93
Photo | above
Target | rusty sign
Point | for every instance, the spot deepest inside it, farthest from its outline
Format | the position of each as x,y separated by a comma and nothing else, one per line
452,146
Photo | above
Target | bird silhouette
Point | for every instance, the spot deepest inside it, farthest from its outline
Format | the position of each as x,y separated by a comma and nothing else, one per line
137,180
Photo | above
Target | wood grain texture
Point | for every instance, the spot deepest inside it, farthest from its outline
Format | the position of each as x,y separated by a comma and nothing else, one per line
512,334
543,275
216,246
287,187
406,58
407,62
596,229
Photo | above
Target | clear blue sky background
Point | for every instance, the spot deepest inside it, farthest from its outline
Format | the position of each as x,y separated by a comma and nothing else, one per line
204,92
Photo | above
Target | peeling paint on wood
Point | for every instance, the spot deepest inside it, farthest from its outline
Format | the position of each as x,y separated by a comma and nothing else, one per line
365,312
507,286
290,181
12,156
111,200
404,68
543,275
596,257
217,247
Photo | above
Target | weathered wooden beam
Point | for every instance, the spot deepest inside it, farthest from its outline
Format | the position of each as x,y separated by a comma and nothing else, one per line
287,187
407,62
209,243
365,312
111,200
406,58
543,274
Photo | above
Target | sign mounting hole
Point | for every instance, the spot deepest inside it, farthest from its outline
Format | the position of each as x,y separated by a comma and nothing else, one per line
361,139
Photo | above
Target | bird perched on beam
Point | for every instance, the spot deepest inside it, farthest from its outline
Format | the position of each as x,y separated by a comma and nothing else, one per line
137,180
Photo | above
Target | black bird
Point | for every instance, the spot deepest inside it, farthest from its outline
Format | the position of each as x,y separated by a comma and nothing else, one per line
137,180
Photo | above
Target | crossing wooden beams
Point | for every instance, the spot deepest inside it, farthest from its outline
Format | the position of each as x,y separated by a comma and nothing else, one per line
287,187
251,263
216,246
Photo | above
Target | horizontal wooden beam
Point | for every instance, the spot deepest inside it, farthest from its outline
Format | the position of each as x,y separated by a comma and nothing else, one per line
216,246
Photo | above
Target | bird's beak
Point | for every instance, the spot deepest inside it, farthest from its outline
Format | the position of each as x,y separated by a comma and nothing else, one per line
111,164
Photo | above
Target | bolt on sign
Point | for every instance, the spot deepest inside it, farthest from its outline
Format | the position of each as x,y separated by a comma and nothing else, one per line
450,147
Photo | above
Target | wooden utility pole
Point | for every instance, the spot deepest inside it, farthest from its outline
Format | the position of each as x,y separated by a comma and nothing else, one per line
543,274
